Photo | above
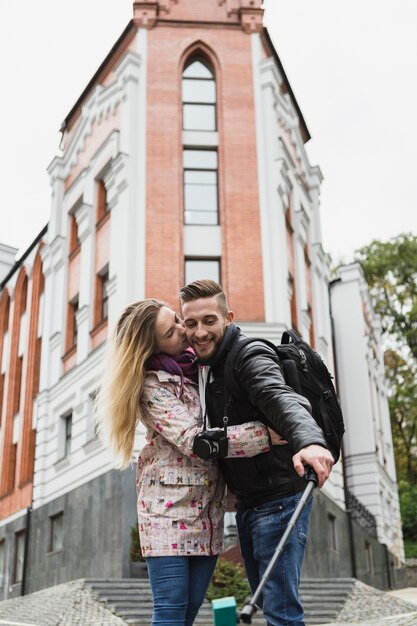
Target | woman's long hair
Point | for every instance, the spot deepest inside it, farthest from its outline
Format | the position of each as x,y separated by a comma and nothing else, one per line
117,405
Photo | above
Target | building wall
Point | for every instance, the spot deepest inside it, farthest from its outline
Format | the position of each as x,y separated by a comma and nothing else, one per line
368,448
20,347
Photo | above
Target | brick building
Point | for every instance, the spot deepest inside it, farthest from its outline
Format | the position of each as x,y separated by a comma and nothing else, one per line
183,157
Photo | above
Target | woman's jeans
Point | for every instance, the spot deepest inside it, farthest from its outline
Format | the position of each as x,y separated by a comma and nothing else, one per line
260,530
179,584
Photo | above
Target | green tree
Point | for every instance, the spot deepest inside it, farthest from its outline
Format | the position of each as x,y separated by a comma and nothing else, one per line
402,381
391,272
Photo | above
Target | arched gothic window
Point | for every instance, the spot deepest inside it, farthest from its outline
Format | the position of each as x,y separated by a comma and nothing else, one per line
198,96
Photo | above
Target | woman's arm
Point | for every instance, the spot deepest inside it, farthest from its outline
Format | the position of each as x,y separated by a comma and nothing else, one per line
246,440
167,415
171,418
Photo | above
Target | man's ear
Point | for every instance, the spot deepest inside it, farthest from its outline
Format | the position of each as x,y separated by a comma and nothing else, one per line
229,317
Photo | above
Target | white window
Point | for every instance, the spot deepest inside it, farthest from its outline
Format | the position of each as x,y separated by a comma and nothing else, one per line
198,97
200,187
196,269
65,435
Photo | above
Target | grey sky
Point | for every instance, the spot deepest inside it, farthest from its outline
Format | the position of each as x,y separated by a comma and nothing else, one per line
352,65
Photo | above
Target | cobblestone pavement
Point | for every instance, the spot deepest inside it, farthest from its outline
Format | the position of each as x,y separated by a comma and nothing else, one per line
70,604
368,606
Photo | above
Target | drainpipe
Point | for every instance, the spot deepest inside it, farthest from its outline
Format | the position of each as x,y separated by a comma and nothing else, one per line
347,506
26,552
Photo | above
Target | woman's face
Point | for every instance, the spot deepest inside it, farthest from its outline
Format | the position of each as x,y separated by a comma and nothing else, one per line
170,332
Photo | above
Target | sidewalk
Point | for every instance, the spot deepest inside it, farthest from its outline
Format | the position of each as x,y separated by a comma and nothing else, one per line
369,607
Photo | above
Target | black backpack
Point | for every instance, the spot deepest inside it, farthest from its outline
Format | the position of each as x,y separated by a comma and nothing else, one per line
304,371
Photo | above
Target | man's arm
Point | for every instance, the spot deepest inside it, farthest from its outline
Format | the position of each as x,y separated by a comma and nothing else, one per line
285,411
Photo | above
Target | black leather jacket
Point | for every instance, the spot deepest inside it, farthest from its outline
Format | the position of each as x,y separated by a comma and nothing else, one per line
267,398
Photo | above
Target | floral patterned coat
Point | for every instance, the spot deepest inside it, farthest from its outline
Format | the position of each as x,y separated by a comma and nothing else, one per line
181,498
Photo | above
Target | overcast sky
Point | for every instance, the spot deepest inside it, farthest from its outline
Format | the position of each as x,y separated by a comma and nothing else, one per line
352,65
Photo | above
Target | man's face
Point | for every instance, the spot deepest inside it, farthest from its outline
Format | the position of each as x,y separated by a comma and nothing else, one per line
205,325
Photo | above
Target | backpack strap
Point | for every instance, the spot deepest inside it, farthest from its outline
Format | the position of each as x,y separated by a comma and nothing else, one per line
231,385
290,336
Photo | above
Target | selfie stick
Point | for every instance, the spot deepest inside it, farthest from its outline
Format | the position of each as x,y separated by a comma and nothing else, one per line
249,609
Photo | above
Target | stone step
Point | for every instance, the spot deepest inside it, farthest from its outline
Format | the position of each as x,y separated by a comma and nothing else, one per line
131,599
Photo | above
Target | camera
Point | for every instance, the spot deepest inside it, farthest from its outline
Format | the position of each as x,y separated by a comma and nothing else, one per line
212,443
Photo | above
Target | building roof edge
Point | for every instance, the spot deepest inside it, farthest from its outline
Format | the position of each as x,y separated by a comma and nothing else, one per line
305,132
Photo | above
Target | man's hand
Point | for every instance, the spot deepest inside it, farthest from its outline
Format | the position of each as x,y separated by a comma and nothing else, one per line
320,459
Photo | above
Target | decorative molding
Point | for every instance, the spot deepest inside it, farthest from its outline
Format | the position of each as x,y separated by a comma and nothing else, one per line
251,18
145,14
102,102
82,314
84,218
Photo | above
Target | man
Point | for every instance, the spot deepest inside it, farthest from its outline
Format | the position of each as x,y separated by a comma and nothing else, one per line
269,486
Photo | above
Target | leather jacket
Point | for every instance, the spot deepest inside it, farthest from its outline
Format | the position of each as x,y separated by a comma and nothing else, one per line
265,397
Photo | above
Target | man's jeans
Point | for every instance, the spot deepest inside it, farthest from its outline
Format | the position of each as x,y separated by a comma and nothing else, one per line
179,584
260,530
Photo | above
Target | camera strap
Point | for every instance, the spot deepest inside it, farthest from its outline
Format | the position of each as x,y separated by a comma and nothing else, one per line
203,377
203,380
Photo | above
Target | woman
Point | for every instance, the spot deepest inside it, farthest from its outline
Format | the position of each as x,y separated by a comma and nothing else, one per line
151,377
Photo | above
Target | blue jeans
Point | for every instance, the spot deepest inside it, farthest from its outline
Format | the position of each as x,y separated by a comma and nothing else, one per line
260,530
178,584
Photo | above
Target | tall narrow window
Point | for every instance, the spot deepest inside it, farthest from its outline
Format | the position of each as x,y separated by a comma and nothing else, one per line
291,267
19,552
72,322
67,433
56,541
74,240
102,297
198,97
195,269
102,205
200,187
332,533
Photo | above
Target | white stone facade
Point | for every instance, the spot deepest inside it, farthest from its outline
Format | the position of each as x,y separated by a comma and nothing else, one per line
368,449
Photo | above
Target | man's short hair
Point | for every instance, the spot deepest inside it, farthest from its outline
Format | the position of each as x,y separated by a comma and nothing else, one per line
205,288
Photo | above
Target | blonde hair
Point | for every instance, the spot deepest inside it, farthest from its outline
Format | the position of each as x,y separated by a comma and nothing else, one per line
117,407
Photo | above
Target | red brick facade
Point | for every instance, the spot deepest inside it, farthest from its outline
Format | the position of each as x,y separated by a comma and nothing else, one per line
19,387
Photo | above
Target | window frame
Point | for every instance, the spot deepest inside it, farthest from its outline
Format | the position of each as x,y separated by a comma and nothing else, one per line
17,537
201,169
204,260
67,438
184,102
52,520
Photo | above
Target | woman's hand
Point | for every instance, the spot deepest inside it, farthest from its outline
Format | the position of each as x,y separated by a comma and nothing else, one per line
276,439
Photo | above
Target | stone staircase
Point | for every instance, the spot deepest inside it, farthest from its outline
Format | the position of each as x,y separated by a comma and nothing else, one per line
131,600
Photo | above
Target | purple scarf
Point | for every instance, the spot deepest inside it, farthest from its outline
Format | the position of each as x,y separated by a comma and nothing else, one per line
182,365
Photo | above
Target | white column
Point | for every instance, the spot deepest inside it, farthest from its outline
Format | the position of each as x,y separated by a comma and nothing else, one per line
53,256
56,226
271,207
84,215
127,186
